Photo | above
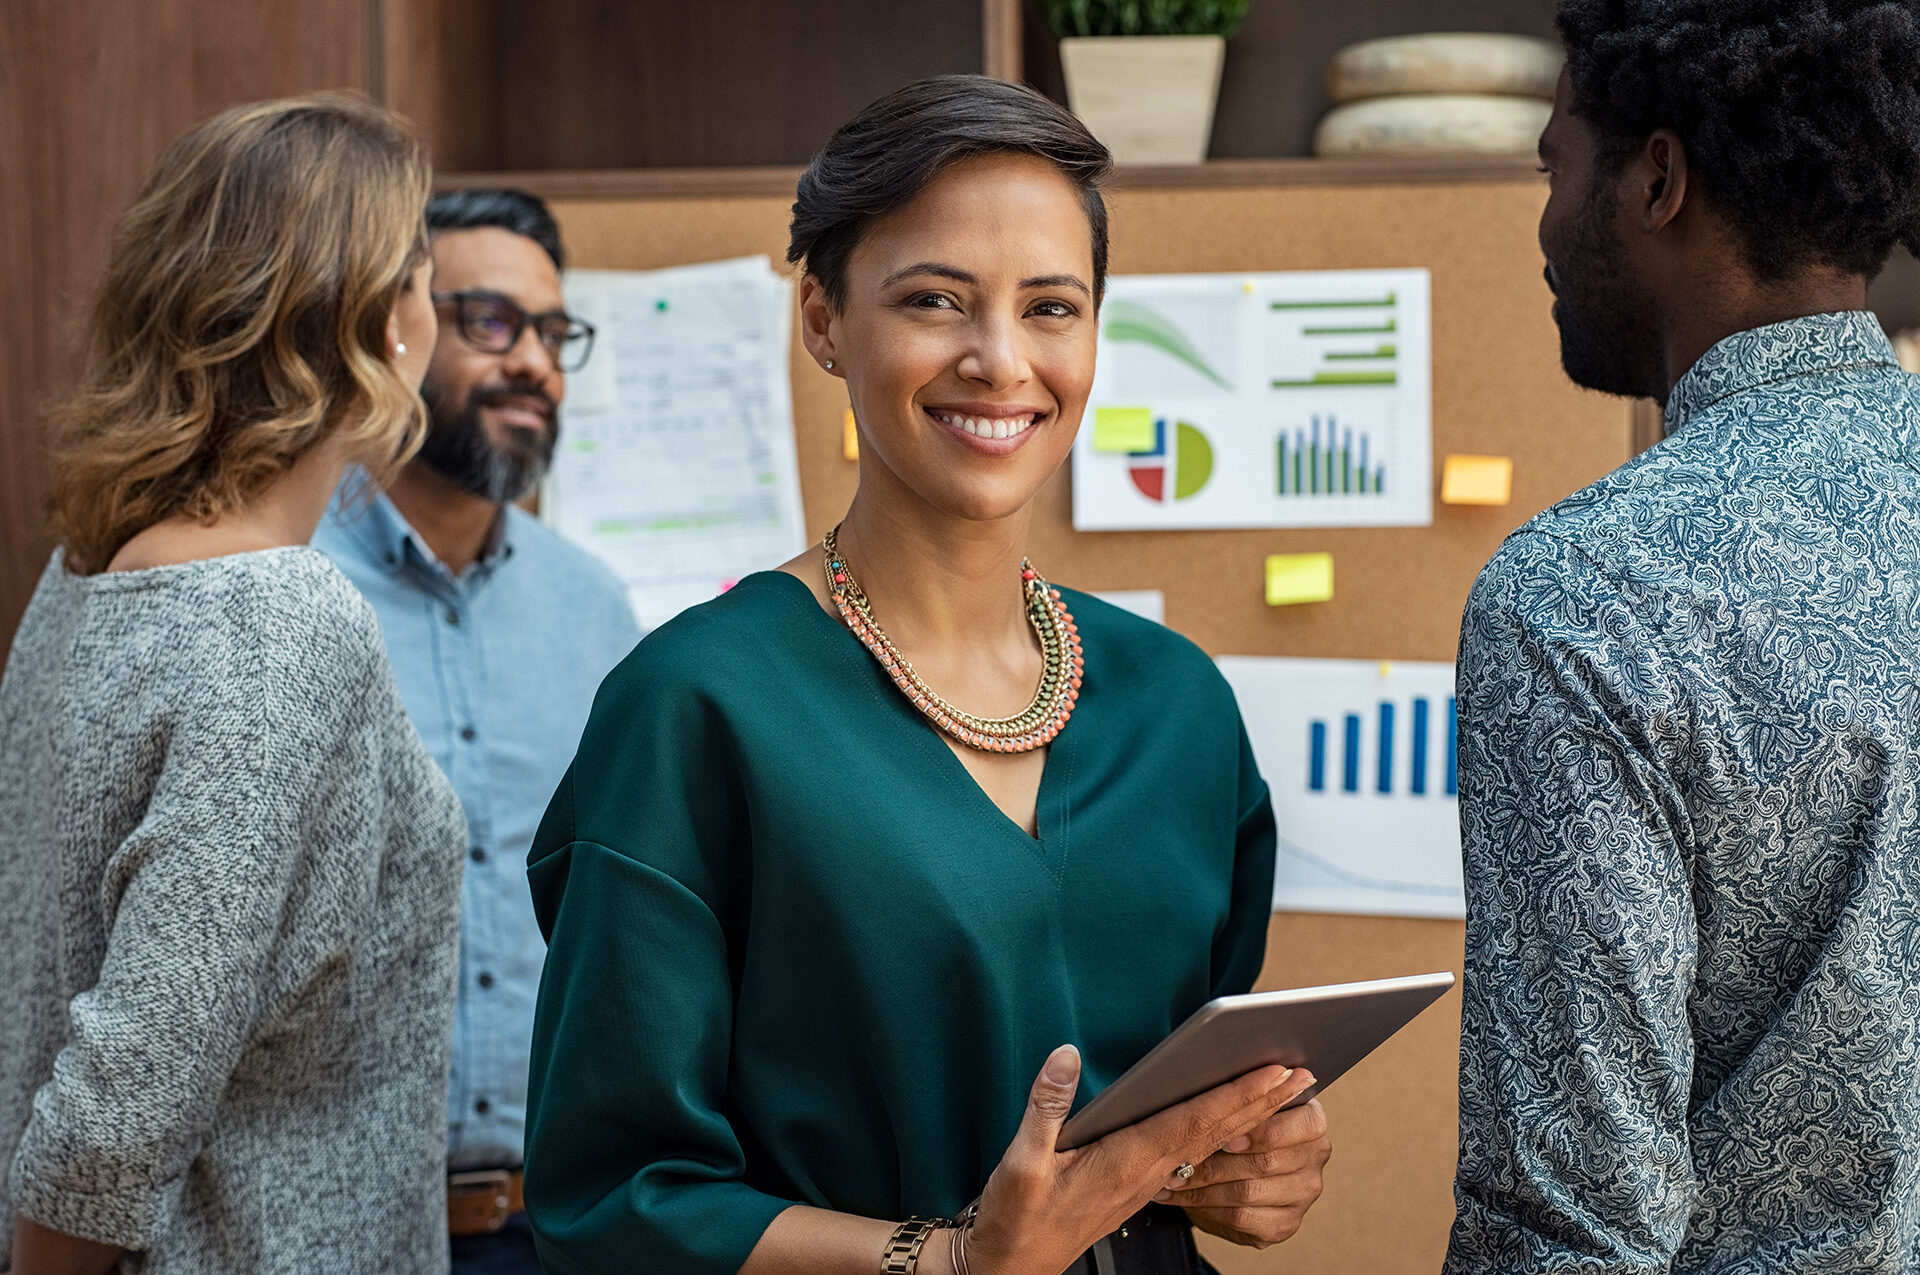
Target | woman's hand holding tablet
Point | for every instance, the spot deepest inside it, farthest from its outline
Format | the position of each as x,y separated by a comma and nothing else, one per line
1257,1189
1239,1156
1044,1207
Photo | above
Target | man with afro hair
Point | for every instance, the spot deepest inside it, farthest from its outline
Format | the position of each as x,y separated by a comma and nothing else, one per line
1690,694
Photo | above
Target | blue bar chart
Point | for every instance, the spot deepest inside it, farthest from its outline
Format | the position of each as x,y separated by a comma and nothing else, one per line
1361,761
1383,747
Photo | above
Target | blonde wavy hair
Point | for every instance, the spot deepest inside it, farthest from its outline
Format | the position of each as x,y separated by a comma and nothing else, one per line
243,318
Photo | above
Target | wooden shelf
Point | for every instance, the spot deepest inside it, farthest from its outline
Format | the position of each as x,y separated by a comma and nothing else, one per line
1336,171
723,183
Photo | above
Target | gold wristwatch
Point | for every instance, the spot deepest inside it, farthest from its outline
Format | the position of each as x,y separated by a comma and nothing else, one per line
903,1250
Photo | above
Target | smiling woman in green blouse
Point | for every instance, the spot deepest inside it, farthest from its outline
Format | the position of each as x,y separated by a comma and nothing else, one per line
842,910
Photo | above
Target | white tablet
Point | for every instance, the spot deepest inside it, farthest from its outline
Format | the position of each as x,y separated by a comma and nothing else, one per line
1324,1029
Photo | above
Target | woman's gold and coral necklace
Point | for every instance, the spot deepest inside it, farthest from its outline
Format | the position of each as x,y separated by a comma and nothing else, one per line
1032,728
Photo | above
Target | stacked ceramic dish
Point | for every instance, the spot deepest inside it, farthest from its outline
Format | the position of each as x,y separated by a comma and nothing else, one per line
1449,93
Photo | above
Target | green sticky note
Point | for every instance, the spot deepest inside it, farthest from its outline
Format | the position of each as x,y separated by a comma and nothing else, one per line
1299,577
1123,429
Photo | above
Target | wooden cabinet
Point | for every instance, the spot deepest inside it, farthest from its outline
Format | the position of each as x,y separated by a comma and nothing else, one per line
567,85
602,85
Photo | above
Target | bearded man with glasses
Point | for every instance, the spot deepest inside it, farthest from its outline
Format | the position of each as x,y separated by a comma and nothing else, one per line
499,632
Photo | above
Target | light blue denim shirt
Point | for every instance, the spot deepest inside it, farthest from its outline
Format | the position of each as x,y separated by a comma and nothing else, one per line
498,668
1690,805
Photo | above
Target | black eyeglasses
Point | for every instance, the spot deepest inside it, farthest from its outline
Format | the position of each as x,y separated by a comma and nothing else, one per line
492,324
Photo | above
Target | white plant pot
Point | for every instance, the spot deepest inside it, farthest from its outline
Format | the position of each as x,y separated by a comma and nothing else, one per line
1148,98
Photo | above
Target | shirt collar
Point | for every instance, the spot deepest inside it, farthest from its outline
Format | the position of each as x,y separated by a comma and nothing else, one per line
368,515
1847,341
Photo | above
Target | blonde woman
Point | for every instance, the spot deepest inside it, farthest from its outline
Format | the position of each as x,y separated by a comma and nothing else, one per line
229,873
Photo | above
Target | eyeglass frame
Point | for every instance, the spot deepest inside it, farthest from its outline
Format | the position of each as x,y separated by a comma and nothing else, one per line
578,328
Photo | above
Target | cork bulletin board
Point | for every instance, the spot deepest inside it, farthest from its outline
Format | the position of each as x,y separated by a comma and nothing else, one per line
1497,389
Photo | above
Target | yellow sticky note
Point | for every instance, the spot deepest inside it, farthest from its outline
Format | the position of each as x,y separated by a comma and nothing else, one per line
1123,429
850,438
1299,577
1477,480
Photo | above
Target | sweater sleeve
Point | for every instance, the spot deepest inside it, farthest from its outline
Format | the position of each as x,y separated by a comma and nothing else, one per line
193,901
1241,948
632,1161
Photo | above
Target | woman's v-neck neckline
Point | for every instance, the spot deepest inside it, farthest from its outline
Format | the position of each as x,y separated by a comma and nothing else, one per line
946,765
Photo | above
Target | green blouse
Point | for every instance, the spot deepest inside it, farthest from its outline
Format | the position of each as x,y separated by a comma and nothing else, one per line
796,955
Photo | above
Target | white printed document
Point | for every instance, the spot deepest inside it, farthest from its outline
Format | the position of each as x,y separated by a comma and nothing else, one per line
1361,759
676,461
1298,399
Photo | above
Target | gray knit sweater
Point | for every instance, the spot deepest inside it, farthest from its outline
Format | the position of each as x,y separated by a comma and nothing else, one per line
229,894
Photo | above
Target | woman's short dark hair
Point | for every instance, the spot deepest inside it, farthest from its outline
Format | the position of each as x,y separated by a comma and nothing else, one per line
894,148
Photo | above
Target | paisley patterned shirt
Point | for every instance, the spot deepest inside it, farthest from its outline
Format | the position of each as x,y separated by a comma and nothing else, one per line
1690,777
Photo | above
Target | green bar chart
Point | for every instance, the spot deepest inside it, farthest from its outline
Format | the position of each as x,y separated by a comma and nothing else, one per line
1351,341
1324,458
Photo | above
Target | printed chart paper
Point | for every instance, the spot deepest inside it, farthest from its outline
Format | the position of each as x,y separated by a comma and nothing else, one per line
676,460
1276,400
1360,758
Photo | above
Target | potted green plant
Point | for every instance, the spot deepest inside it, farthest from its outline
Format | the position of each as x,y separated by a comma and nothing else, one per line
1143,75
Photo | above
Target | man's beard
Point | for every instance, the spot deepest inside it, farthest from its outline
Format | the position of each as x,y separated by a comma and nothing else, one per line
458,448
1609,340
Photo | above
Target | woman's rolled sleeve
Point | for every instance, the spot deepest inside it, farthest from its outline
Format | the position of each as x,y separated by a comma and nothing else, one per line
631,1160
638,875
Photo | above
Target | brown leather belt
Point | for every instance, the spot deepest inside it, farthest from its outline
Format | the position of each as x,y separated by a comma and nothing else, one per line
479,1203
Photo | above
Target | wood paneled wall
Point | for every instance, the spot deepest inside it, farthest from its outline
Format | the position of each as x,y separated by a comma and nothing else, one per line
90,92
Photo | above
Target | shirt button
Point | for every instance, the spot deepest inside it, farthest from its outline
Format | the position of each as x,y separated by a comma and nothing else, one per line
477,855
453,616
483,1106
485,980
467,733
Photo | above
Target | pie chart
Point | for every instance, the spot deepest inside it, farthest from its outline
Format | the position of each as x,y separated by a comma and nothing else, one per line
1166,474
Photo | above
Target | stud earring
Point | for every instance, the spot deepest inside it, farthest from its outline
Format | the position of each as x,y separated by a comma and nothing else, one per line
829,365
399,349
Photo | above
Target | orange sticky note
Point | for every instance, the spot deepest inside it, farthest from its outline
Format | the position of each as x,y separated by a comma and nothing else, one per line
1123,429
850,438
1476,480
1299,577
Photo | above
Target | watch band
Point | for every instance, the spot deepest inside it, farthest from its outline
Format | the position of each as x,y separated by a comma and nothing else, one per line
902,1254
